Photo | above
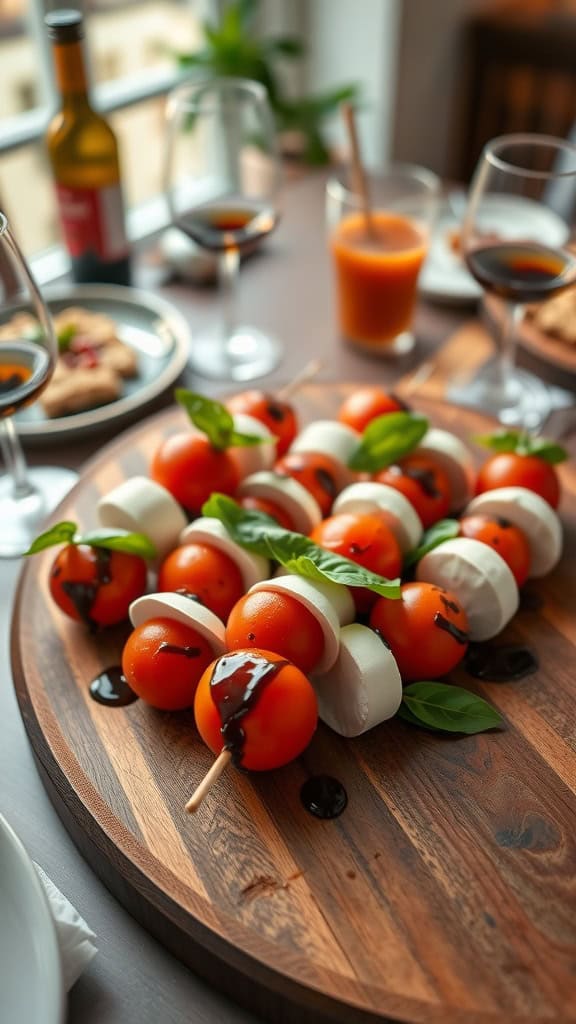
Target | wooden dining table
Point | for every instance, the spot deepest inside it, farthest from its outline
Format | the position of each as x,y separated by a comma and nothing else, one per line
287,289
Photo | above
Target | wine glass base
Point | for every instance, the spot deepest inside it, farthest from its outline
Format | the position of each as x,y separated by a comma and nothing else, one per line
243,355
22,519
524,401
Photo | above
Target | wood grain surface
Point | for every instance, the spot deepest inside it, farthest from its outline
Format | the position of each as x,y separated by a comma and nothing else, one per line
446,892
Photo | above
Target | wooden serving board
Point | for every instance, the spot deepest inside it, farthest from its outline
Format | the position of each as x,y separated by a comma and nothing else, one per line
446,892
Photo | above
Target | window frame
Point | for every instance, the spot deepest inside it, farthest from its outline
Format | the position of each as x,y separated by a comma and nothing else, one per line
29,127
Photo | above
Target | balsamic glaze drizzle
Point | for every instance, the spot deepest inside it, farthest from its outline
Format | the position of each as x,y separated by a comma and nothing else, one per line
499,664
111,688
237,682
323,796
442,622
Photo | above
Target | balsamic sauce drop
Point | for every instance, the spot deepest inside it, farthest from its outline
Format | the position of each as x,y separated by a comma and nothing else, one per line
236,686
187,652
530,600
326,482
324,797
275,411
442,622
424,477
499,664
83,595
111,688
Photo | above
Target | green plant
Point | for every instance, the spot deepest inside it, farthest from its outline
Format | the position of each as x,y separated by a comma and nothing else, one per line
231,48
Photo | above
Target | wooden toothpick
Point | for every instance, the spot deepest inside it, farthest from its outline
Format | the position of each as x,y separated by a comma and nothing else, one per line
214,773
308,372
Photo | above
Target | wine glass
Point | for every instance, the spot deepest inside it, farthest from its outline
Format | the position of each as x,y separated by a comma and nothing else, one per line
221,181
27,360
515,241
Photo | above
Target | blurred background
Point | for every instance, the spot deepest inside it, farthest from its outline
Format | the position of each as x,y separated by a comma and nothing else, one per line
434,80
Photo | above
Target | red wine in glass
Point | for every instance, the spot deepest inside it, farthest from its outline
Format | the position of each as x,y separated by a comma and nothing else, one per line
228,223
521,271
25,370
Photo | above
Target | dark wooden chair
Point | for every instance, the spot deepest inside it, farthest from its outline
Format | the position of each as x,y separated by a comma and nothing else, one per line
519,74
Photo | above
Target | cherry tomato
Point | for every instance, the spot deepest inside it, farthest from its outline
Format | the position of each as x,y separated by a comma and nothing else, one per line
426,630
269,507
277,622
277,726
206,572
365,404
95,585
191,469
163,661
424,483
508,540
365,539
316,472
509,469
278,416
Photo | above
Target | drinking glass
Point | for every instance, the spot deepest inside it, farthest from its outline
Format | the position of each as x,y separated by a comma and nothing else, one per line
27,360
377,252
515,241
221,182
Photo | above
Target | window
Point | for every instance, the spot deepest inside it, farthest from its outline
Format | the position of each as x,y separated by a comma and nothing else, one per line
129,46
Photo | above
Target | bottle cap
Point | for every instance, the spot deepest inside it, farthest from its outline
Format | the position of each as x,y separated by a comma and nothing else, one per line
65,26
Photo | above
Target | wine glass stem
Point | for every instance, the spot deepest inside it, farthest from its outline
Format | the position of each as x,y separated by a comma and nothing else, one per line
14,459
229,263
513,315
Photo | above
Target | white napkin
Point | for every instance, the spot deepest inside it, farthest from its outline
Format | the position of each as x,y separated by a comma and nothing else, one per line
73,934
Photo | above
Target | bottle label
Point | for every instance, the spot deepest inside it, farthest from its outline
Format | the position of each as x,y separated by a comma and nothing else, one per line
93,221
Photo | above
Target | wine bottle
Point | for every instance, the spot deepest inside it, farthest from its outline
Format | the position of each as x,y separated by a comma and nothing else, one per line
83,153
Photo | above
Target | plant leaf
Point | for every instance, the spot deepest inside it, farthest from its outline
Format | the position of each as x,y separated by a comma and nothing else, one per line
406,715
441,531
546,450
449,708
305,558
285,46
388,438
523,444
259,534
239,440
60,533
214,420
500,441
119,540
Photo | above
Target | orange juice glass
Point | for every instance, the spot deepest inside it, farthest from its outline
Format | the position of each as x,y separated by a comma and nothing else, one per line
377,257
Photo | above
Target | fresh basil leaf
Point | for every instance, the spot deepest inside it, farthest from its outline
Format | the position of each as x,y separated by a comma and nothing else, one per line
441,531
259,534
310,560
406,715
501,441
548,451
449,708
523,444
119,540
64,337
61,533
388,438
239,440
212,418
247,527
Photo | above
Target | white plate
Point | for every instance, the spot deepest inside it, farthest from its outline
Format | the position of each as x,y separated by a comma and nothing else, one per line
152,326
444,276
31,986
